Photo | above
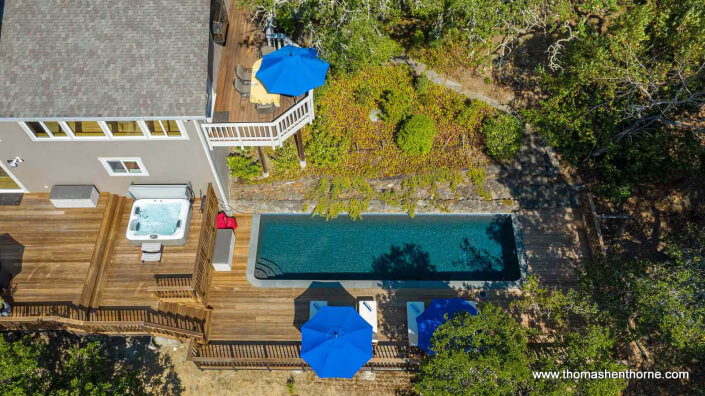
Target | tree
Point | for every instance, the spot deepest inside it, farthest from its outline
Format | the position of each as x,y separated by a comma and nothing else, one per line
20,369
477,355
28,368
628,102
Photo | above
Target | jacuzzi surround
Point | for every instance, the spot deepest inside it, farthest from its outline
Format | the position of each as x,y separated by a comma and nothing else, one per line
288,276
170,228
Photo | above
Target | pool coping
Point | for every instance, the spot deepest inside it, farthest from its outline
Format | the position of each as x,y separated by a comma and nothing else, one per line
401,284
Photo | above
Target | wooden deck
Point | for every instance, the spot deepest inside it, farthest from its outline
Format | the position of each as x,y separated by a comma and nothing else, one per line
75,270
242,47
47,251
243,312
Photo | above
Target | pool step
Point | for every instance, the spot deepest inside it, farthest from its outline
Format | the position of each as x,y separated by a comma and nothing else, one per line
265,269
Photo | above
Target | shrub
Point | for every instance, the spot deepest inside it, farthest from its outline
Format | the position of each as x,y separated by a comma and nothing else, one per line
286,157
472,115
325,149
395,105
243,167
415,137
418,38
503,136
421,83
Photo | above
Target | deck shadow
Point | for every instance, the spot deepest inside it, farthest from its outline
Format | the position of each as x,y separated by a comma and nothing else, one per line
332,292
11,254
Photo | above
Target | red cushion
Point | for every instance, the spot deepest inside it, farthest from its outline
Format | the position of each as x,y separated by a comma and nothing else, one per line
222,220
232,223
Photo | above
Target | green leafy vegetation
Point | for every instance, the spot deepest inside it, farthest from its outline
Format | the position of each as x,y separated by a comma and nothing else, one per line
285,157
503,136
477,355
624,101
243,167
28,368
395,105
415,136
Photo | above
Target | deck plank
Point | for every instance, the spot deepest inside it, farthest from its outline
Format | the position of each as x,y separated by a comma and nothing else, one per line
242,47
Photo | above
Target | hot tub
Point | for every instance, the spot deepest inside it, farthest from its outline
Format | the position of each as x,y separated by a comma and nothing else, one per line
159,220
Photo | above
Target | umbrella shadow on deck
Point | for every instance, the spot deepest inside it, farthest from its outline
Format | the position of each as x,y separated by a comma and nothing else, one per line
332,292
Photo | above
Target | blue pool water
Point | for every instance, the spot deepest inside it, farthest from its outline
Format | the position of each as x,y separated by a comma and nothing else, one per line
387,247
158,218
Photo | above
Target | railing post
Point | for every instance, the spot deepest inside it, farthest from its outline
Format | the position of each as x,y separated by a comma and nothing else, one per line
311,110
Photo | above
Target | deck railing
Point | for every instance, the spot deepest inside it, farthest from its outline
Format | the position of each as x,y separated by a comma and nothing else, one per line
286,356
272,133
592,225
117,320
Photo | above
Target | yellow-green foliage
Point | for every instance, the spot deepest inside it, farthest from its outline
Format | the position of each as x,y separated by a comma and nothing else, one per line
333,196
478,177
345,103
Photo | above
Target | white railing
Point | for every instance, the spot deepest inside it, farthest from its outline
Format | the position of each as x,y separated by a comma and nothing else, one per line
272,133
276,40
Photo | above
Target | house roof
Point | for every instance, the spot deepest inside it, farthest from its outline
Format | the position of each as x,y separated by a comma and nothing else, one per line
104,58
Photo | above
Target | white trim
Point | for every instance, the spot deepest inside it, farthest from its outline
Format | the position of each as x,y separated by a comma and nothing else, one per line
147,118
204,142
138,160
107,133
22,188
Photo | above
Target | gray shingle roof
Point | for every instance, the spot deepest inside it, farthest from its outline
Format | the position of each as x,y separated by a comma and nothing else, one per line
104,58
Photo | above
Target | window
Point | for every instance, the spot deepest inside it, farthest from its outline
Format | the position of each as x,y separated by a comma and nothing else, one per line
124,128
105,130
85,128
37,129
163,128
124,166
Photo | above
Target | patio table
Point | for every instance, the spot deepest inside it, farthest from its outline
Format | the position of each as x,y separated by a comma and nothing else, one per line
258,93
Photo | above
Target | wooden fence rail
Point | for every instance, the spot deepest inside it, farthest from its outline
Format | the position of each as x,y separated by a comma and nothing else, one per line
286,356
592,224
118,320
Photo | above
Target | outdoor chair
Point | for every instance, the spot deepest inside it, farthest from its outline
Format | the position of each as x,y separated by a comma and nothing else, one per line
266,50
151,251
413,310
242,88
264,109
243,73
368,310
314,307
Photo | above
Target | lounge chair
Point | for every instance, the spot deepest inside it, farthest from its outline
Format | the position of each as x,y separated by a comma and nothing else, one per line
243,88
413,310
314,307
368,310
264,109
151,251
243,73
266,50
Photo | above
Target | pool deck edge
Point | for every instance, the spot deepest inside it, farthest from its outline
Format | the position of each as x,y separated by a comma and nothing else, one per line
402,284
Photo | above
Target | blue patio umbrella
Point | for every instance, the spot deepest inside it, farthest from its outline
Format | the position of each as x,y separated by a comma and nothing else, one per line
439,311
336,342
292,71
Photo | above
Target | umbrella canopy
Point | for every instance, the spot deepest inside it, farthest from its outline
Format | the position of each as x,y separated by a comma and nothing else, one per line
439,311
292,71
336,342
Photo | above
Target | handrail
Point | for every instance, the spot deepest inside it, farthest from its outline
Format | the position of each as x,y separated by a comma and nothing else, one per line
271,133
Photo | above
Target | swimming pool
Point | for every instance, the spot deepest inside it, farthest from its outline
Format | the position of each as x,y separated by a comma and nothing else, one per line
430,250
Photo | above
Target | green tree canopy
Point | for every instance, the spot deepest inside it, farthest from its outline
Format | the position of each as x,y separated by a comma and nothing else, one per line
477,355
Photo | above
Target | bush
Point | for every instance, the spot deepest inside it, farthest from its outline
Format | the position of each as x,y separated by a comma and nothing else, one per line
415,137
395,105
472,115
242,167
325,149
286,157
503,136
421,83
